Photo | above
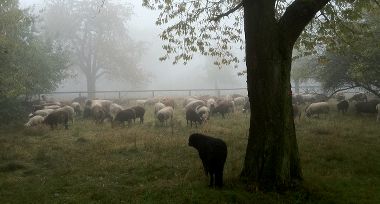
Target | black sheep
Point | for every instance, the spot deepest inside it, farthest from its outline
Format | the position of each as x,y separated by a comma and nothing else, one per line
57,117
213,153
342,106
193,116
139,111
124,115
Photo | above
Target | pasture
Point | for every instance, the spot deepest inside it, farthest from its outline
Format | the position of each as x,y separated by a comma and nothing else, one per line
149,163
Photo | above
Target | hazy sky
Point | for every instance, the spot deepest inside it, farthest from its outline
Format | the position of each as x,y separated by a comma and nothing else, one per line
164,74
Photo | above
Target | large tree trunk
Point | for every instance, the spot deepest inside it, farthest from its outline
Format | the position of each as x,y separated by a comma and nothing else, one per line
91,86
272,160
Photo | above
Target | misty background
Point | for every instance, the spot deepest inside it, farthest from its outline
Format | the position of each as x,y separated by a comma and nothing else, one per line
198,73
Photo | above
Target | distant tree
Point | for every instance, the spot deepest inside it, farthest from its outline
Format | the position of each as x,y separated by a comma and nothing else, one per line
220,74
271,29
29,65
355,61
96,35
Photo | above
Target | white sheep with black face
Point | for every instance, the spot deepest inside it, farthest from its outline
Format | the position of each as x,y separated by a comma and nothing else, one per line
317,108
35,120
164,114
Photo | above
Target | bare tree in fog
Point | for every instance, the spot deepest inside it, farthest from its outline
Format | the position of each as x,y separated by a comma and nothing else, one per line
95,33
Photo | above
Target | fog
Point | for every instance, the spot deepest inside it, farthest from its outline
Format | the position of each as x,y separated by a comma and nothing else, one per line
162,75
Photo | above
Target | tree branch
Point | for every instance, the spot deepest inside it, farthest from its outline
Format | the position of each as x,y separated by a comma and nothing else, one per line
218,17
297,16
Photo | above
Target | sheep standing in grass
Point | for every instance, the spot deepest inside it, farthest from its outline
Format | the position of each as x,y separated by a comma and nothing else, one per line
168,102
124,115
222,107
194,104
378,112
70,111
57,117
77,108
140,112
141,102
213,153
203,111
35,120
211,102
342,106
114,109
98,113
193,116
164,114
239,101
317,108
158,106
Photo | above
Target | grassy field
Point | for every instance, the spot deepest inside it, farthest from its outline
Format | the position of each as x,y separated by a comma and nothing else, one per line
152,164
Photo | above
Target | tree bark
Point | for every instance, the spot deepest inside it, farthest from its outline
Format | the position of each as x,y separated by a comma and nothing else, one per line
272,160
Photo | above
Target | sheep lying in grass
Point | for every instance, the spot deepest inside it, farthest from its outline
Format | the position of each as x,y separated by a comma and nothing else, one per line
124,115
158,106
140,112
317,108
164,114
57,117
213,153
193,116
35,120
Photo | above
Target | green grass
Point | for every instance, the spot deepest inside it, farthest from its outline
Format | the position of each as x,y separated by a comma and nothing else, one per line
153,164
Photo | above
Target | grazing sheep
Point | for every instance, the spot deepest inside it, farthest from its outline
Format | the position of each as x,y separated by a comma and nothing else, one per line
366,107
141,102
152,101
35,120
213,153
164,114
124,115
43,112
77,108
168,102
98,113
193,116
139,111
194,104
188,100
296,112
211,102
317,108
70,112
114,109
239,101
158,106
378,112
222,107
57,117
342,106
52,107
203,111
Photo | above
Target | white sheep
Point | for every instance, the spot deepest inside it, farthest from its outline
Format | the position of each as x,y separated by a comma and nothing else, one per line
52,107
188,100
43,112
317,108
69,110
194,104
239,101
35,120
158,106
211,102
203,111
141,102
115,109
164,114
378,112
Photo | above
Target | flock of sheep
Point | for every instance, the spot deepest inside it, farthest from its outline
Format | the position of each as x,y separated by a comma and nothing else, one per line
318,105
197,110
